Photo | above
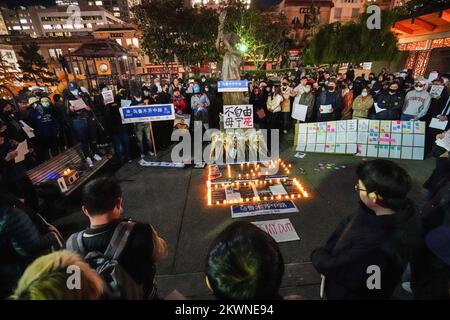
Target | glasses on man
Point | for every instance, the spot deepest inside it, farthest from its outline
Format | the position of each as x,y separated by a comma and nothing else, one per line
358,188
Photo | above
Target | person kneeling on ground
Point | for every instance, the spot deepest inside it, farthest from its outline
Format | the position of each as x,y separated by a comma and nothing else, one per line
244,263
366,255
102,204
47,278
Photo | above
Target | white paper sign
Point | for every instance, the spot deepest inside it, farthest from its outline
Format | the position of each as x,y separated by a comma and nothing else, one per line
444,143
78,104
22,150
438,124
326,108
436,91
125,103
277,189
299,112
367,65
377,108
281,230
108,96
238,116
29,131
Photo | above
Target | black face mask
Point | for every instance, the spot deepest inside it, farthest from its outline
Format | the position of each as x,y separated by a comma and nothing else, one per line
392,90
330,88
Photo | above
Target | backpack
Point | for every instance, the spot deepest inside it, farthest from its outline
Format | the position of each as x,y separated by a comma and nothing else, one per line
119,284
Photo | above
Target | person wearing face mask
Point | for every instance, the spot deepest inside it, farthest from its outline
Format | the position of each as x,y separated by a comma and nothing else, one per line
286,92
417,102
200,104
42,119
329,97
84,124
347,101
307,99
13,127
274,107
157,83
362,104
390,100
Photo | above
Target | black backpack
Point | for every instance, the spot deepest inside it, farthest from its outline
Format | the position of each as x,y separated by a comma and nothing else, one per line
119,284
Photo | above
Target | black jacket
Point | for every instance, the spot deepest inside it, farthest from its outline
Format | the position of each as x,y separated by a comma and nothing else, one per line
363,240
393,103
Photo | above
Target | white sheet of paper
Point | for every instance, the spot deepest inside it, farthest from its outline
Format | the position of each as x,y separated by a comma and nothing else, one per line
302,138
362,137
125,103
277,189
372,150
320,147
340,148
300,155
310,147
22,150
352,136
363,125
352,148
418,153
331,137
302,128
300,147
408,140
444,143
407,152
330,148
311,138
436,90
419,140
396,139
361,150
438,124
383,151
341,137
395,152
281,230
78,104
108,96
231,195
326,108
341,126
29,131
377,108
352,125
299,112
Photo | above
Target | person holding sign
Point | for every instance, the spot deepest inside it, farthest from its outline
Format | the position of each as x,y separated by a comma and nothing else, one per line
84,123
330,104
286,92
305,100
390,103
384,232
417,102
437,115
362,104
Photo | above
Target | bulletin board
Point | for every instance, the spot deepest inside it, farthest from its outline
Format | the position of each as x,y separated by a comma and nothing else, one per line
363,137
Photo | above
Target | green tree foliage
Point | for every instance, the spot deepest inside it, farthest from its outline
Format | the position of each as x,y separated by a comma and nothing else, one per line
33,65
353,42
172,30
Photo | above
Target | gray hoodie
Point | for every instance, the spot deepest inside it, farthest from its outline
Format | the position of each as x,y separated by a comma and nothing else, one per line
417,103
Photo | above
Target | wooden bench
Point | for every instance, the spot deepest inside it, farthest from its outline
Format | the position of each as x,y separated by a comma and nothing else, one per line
52,169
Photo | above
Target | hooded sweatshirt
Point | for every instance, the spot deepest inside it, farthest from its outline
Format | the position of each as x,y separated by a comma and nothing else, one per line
417,103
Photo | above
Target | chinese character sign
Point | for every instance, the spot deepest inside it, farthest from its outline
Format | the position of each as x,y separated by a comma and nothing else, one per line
232,86
238,116
155,112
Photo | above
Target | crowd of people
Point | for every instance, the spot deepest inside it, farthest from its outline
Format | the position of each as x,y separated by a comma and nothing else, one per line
117,257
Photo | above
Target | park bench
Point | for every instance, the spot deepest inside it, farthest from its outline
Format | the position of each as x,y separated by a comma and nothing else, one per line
51,170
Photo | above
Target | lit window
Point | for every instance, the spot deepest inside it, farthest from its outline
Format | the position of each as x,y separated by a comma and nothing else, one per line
98,3
116,9
47,27
17,28
116,14
26,28
23,21
119,41
128,42
136,42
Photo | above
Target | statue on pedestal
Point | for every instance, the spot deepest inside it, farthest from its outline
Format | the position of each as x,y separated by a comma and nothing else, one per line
232,59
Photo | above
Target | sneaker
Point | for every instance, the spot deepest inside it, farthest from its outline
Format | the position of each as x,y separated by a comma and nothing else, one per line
143,163
97,157
89,162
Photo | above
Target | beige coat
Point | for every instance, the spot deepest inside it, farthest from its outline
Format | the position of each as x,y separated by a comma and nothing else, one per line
286,104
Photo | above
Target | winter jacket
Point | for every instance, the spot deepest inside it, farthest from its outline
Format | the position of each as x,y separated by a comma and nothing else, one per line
286,104
43,121
20,243
306,99
361,106
179,104
347,101
274,103
393,103
417,103
13,127
365,240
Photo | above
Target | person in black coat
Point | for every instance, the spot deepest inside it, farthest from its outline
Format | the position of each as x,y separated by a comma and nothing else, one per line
391,100
366,255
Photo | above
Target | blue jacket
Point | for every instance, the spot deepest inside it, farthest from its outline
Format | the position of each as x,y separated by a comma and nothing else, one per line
43,121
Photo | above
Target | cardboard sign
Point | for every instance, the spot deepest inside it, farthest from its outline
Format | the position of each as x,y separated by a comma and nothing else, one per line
272,207
238,116
232,86
154,112
108,96
299,112
280,230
